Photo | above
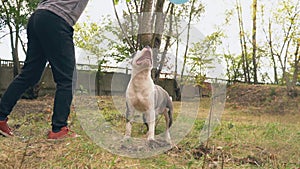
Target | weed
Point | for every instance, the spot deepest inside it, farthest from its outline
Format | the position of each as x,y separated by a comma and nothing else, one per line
273,92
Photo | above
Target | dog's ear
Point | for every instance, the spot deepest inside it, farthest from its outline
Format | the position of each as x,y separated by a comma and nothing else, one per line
132,56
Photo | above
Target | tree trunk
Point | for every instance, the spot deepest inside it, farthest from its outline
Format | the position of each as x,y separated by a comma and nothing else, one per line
177,46
296,64
145,28
13,40
159,24
175,84
123,31
245,63
156,37
187,42
167,45
14,51
254,47
272,54
16,61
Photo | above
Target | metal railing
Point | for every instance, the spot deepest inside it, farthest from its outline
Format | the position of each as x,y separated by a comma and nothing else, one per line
88,67
9,63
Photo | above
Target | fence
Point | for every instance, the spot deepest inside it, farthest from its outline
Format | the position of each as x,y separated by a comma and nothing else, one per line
90,81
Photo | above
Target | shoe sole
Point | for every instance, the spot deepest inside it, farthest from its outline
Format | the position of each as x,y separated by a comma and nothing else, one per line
62,139
5,134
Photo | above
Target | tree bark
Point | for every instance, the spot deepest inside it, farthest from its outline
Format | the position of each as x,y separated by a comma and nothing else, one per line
13,40
145,29
254,47
167,45
245,62
272,53
159,21
187,42
123,31
296,64
159,24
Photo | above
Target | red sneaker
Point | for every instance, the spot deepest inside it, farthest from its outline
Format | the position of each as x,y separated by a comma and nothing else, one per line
64,132
4,129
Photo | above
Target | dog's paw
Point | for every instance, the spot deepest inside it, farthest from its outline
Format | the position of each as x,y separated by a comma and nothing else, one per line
150,136
126,139
173,145
153,144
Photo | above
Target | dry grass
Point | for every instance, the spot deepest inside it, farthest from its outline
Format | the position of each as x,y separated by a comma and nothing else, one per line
245,139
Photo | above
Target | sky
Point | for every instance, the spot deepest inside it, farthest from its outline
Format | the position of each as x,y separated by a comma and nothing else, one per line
214,16
95,9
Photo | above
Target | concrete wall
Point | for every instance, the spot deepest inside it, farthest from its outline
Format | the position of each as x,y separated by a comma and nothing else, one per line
116,84
6,76
86,82
108,83
111,83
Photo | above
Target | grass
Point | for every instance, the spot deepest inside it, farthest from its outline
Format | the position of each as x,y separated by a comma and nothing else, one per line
242,140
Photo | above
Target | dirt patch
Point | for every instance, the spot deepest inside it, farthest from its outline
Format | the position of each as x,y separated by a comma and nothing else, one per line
263,98
269,143
218,156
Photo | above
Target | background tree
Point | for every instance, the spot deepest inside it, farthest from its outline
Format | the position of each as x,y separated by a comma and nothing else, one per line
283,35
234,71
243,43
89,37
296,64
254,47
157,41
14,16
203,56
190,16
150,17
269,46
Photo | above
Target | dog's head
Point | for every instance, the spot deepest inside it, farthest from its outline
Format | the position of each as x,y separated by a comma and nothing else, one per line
143,59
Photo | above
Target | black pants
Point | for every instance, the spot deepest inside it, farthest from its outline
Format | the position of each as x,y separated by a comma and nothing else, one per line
50,38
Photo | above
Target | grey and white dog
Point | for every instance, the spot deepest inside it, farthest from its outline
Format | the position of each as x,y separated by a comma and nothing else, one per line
144,96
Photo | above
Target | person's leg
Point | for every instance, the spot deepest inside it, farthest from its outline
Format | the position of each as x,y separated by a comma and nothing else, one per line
57,41
30,73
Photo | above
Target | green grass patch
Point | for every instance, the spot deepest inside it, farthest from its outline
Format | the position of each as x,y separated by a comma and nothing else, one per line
242,140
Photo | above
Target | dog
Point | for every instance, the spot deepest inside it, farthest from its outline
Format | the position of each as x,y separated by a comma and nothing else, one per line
144,96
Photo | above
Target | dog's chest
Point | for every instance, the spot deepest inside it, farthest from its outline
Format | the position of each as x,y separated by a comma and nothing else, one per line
141,95
141,102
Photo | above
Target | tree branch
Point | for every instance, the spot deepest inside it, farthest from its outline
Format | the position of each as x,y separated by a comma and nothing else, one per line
119,22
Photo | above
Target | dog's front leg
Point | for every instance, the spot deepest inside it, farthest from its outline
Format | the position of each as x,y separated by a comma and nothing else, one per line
150,116
129,119
128,129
